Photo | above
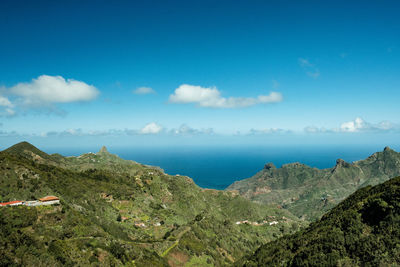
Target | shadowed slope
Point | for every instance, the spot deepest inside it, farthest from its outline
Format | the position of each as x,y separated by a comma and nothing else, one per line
363,230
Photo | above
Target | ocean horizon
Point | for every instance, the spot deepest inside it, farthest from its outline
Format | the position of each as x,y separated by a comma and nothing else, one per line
218,167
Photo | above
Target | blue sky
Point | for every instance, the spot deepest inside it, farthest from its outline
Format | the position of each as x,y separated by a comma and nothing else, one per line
199,72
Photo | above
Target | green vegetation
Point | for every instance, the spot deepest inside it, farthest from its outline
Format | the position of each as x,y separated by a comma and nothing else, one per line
309,192
117,212
363,230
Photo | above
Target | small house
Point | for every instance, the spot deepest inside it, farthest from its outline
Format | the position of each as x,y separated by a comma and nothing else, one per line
12,203
49,200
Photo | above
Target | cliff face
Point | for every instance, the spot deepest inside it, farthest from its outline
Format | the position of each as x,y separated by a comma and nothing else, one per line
309,192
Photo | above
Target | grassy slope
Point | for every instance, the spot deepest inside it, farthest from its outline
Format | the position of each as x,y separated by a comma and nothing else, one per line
104,198
363,230
309,192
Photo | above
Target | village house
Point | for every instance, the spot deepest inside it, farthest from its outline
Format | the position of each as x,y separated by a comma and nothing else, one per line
12,203
49,200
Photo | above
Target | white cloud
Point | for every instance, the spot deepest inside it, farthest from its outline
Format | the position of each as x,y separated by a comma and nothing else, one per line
313,74
5,102
10,111
211,97
309,68
271,98
80,132
151,128
144,91
359,125
305,62
356,126
7,105
46,90
186,130
314,129
386,126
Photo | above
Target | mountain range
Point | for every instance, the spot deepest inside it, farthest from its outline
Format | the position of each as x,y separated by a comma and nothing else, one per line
310,192
120,212
116,212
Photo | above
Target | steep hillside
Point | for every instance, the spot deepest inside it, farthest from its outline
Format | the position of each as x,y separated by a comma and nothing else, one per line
363,230
310,192
117,212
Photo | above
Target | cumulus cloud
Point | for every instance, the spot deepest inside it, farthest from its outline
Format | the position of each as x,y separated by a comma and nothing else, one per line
47,90
186,130
356,126
144,91
359,125
151,128
211,97
309,68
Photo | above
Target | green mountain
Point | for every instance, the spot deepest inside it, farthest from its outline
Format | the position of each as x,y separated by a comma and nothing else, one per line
116,212
363,230
310,192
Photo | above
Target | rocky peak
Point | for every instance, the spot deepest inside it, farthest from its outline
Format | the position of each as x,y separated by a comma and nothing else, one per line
103,150
339,164
269,166
342,163
387,149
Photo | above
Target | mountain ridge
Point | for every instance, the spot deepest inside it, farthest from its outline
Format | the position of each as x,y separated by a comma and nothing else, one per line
118,212
309,192
363,230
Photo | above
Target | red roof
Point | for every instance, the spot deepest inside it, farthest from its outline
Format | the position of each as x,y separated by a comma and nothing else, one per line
11,202
49,198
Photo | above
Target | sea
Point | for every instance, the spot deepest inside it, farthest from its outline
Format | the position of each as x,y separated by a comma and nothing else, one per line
217,167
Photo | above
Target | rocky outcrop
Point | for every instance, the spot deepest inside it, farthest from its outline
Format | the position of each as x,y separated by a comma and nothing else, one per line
269,166
103,150
340,164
